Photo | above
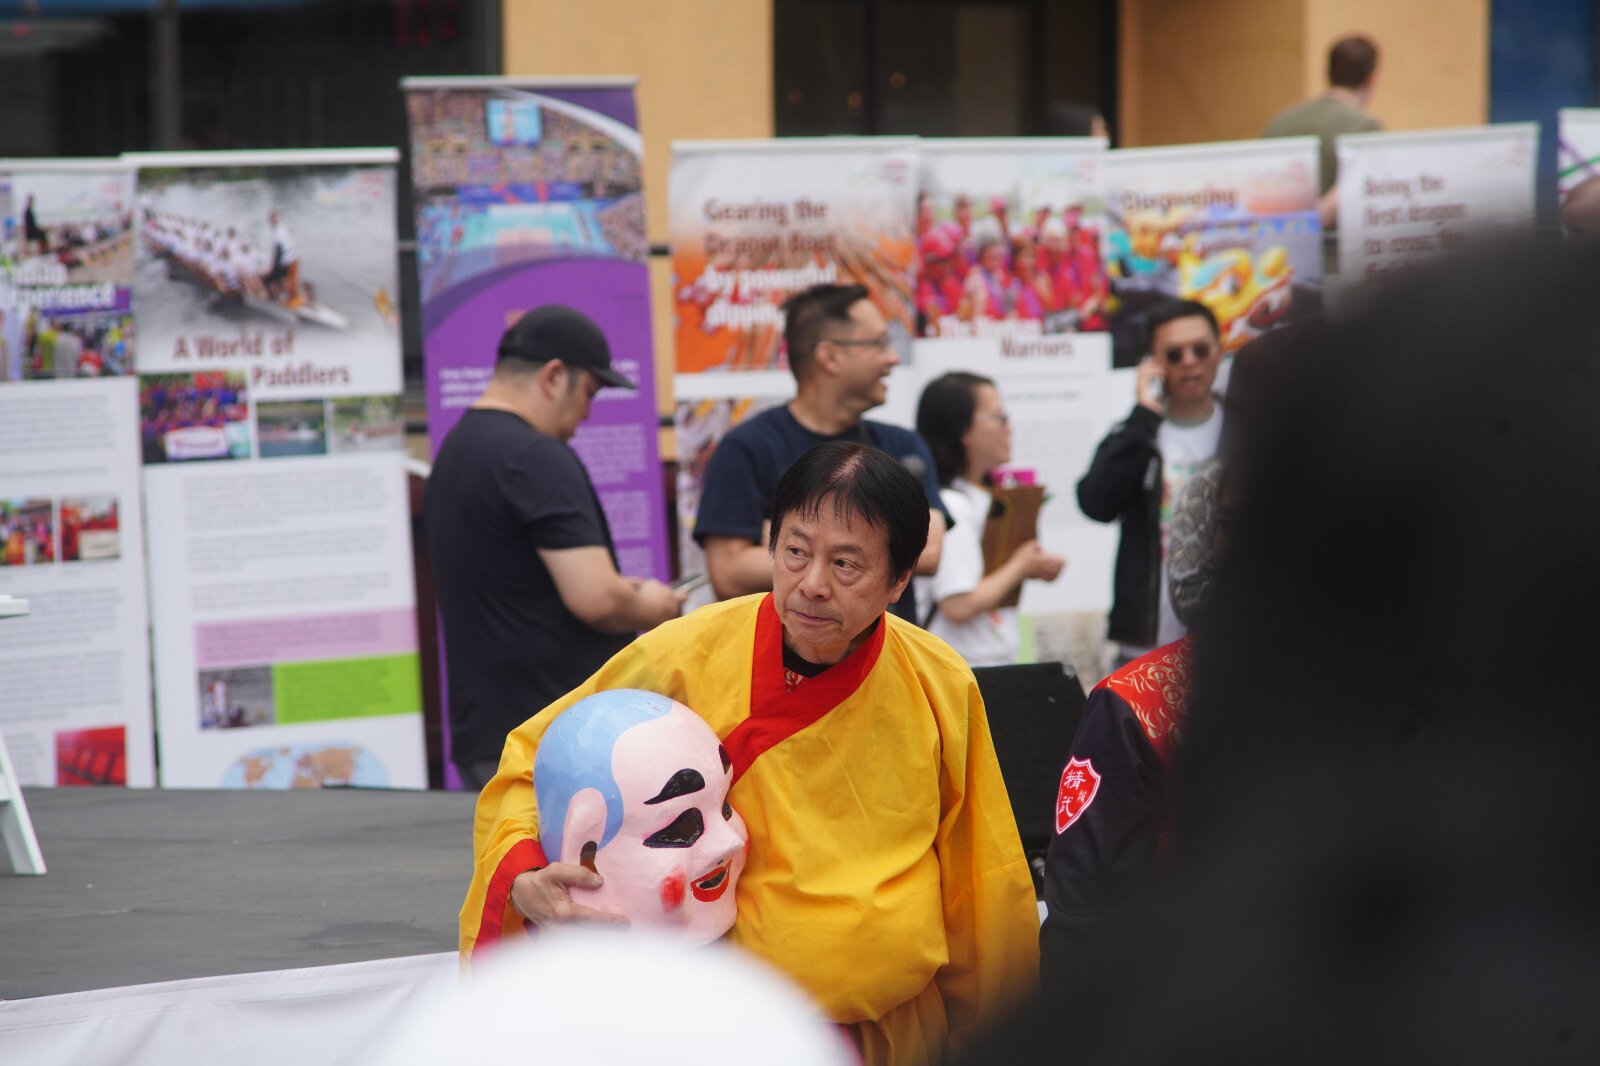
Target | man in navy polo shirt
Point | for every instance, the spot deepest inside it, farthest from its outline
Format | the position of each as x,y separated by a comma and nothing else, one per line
841,353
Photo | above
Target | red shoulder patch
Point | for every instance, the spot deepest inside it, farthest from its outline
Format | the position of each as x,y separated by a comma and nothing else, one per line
1079,783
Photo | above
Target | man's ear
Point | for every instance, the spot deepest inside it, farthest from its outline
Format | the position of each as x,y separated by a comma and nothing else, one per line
586,822
898,589
553,378
825,356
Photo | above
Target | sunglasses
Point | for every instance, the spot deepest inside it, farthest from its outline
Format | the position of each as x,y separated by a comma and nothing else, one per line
1201,350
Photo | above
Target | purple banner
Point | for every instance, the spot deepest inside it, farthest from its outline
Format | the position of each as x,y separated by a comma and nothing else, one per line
529,195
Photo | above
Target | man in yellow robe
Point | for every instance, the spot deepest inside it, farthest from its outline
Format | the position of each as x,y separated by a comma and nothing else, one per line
884,874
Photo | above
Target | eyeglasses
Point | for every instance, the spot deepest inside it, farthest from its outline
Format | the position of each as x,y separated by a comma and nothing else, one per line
883,342
1001,418
1201,350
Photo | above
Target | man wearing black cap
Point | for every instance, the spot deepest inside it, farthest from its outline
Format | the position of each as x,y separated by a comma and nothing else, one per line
527,580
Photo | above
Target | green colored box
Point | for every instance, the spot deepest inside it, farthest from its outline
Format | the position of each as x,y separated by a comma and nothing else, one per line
347,688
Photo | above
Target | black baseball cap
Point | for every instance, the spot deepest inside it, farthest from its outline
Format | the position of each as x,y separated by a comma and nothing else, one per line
556,331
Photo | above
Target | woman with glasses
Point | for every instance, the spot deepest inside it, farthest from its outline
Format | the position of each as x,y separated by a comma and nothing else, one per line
964,422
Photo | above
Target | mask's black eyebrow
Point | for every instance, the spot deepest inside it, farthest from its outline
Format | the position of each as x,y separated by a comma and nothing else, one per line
727,763
679,784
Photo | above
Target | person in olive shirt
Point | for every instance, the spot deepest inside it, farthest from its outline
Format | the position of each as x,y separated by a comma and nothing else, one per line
1352,72
525,571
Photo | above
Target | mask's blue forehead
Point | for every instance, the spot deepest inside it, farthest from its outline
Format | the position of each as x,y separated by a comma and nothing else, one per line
575,754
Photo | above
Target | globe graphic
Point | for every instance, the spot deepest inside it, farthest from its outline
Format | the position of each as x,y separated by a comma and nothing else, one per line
337,765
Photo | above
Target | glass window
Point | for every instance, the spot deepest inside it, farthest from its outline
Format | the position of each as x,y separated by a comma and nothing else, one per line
942,68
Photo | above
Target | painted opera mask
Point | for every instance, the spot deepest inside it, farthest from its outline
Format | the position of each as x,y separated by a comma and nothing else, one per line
635,786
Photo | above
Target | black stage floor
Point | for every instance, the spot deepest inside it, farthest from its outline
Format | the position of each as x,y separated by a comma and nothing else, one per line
164,885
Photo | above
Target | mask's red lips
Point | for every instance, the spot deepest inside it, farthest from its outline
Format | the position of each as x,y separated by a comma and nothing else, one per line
710,888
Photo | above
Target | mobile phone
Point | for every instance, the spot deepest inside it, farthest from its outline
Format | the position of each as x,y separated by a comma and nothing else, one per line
690,582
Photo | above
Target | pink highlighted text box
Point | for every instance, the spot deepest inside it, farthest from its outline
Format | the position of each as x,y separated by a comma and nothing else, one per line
304,639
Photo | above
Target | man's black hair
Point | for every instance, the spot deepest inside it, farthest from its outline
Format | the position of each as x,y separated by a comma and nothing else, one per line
806,315
1351,61
857,480
944,414
1172,310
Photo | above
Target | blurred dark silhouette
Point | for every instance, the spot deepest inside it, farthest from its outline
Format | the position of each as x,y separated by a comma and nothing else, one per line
1387,811
1074,120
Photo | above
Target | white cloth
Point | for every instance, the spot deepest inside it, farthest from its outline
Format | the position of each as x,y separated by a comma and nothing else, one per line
990,638
282,240
321,1016
1183,449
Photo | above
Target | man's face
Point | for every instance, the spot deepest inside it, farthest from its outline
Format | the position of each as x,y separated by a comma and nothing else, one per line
830,581
681,848
573,408
1189,353
867,354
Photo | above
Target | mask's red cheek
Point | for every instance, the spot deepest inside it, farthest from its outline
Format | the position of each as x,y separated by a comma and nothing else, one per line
673,889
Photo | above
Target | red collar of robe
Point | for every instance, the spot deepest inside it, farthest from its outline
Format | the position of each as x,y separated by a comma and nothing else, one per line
776,714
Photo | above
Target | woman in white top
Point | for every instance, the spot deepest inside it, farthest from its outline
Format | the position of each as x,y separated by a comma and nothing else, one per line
965,424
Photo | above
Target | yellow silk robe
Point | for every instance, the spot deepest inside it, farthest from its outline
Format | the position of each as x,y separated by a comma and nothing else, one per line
885,874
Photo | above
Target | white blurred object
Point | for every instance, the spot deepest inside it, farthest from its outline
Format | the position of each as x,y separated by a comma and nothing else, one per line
320,1016
596,997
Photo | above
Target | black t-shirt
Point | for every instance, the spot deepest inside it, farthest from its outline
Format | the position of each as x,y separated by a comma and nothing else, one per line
499,491
750,461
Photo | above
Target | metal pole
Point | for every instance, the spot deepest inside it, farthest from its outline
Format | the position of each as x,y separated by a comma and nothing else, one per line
166,78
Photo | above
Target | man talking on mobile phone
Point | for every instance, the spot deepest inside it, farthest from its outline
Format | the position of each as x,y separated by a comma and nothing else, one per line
1142,464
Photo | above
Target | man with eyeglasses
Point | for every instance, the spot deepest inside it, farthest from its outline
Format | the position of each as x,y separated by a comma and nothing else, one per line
1141,466
840,352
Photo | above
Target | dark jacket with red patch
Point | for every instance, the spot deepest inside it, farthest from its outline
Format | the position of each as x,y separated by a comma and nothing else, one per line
1111,808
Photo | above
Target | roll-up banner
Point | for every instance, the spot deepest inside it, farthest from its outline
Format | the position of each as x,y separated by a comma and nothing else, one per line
75,671
1011,285
272,439
753,222
1232,225
530,193
1578,170
1404,197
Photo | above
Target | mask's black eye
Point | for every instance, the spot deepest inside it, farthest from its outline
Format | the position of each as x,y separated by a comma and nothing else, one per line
682,833
727,812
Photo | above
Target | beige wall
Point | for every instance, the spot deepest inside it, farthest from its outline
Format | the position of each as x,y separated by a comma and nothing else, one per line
1433,60
1206,70
1214,70
704,70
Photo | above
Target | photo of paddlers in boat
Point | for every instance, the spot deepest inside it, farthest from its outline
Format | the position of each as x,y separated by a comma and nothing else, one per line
306,251
69,228
66,267
367,424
